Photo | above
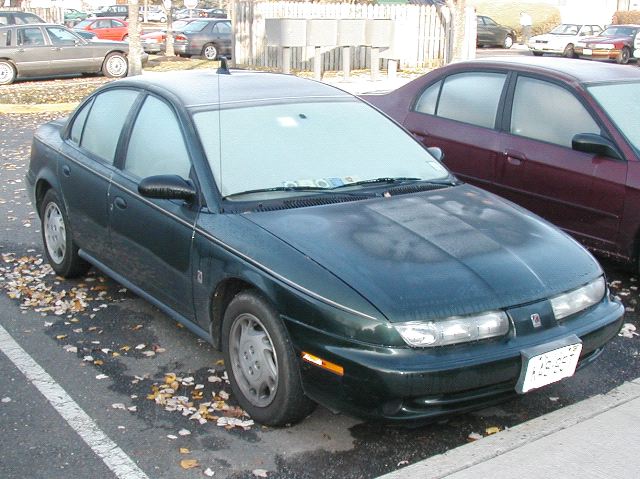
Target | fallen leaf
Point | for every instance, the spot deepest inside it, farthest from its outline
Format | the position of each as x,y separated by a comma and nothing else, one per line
208,472
102,376
260,472
184,450
474,436
492,430
184,432
190,464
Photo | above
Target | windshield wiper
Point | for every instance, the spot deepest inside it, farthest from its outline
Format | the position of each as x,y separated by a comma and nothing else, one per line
386,180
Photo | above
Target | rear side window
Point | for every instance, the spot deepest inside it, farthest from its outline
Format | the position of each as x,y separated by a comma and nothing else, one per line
5,38
547,112
30,37
104,123
222,27
471,97
428,100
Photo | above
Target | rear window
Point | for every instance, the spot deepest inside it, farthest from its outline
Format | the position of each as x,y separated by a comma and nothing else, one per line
196,26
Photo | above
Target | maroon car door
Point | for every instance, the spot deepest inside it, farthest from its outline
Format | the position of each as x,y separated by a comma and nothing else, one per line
458,114
537,168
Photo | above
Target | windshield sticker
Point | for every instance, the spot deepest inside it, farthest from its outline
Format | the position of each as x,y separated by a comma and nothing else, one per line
320,182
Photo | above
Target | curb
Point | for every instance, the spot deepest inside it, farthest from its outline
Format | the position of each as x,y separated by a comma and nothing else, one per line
9,108
489,447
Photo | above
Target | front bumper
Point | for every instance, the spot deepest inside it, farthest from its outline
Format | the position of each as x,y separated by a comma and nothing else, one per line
597,53
405,384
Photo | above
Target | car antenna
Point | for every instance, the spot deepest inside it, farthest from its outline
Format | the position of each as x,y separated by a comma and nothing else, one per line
223,68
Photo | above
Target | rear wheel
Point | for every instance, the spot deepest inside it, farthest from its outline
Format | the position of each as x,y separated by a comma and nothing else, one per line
61,251
507,42
261,362
623,56
125,38
537,54
569,51
7,72
209,51
115,65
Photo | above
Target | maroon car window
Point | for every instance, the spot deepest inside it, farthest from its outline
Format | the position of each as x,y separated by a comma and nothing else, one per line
547,112
145,155
472,97
105,121
427,101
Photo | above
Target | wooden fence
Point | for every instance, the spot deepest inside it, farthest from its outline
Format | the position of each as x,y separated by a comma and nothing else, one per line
425,39
52,15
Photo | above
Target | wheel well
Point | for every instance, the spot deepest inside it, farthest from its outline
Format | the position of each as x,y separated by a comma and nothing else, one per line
41,189
224,293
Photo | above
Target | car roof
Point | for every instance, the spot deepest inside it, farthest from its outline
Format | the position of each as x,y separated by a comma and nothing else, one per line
580,71
198,88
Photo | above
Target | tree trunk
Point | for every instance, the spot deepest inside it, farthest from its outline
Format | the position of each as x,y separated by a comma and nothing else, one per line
457,8
169,51
135,46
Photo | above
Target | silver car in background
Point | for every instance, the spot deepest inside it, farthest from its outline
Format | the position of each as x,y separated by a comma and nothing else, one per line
209,37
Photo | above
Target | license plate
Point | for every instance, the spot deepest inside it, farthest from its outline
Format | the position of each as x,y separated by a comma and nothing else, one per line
557,361
587,51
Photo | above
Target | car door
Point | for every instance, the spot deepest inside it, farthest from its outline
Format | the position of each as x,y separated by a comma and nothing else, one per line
580,192
102,29
33,52
222,37
118,30
458,113
152,238
88,163
69,54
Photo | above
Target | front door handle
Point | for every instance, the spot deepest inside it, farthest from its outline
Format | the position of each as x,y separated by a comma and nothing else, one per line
514,158
66,170
120,203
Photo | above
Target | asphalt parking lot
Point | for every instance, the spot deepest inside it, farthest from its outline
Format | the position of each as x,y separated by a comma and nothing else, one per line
98,401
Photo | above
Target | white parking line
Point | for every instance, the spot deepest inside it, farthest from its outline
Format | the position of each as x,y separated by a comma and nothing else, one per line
110,453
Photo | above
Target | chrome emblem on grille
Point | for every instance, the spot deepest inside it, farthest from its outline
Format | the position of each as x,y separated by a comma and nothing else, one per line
535,320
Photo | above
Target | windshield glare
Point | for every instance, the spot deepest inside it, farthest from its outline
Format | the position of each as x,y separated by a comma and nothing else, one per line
194,27
615,31
316,144
614,99
566,29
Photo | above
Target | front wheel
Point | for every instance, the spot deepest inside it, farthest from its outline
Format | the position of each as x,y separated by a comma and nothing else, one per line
537,54
7,73
569,52
210,52
115,65
623,56
261,362
507,42
61,251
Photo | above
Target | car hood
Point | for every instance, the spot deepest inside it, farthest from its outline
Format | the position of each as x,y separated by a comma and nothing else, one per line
553,37
449,252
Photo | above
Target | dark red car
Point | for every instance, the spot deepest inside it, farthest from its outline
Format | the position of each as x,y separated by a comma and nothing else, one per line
614,43
561,138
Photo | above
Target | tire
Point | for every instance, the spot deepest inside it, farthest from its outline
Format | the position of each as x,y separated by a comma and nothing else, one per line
125,38
507,42
261,362
569,51
623,56
210,51
163,20
59,248
7,72
537,54
115,65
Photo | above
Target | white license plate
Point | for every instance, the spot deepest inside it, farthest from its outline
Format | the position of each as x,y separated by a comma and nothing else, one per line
548,367
587,51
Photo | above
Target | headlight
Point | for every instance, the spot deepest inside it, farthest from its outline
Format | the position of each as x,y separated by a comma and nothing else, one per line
453,330
575,301
603,46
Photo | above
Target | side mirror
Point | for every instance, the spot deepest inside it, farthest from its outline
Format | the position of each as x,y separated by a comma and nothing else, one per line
436,152
596,144
167,187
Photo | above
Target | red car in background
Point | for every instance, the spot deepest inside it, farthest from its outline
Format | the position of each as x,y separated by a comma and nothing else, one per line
155,42
105,28
614,43
557,137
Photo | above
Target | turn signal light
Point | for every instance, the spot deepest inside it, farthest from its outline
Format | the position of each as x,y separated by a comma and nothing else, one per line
321,363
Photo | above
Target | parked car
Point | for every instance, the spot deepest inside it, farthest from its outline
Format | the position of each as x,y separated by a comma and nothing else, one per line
73,15
10,17
492,33
559,138
323,270
215,13
113,11
190,13
614,43
105,28
86,34
562,39
155,14
38,50
207,37
155,42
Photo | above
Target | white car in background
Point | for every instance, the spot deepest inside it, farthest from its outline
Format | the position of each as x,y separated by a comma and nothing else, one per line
562,39
156,14
636,46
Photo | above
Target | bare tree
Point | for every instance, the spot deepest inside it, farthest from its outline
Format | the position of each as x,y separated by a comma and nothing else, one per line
135,46
169,51
457,9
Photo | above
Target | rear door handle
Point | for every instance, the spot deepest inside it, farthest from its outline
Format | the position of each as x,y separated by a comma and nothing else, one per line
515,158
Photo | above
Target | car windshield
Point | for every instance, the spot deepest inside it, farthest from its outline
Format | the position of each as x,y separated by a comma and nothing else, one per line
614,99
290,148
566,29
83,24
179,24
618,31
194,27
